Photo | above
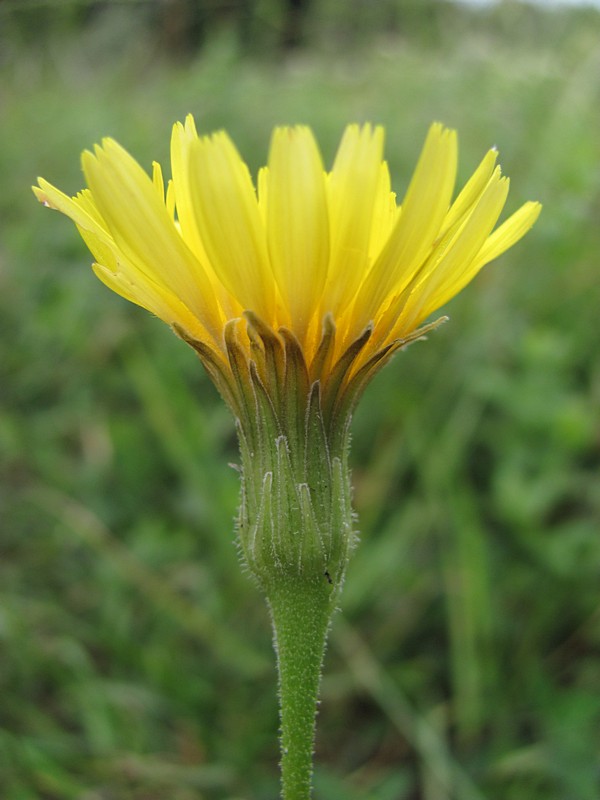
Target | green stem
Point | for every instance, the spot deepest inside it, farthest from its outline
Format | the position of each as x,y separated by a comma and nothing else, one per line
300,610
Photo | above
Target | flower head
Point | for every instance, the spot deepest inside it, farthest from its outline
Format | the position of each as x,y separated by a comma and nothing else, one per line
327,259
293,293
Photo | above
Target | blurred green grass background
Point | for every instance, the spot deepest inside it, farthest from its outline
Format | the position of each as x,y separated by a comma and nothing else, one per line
136,658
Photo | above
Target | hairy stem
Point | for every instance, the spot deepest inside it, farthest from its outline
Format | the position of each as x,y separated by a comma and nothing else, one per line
301,610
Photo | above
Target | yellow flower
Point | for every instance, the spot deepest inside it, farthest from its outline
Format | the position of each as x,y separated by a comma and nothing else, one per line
326,260
293,294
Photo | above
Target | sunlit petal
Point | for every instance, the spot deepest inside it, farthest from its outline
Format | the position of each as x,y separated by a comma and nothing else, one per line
297,223
229,222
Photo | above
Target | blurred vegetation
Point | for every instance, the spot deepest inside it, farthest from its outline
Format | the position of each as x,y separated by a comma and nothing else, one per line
136,658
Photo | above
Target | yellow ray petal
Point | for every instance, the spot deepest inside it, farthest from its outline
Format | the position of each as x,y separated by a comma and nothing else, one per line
501,239
385,213
134,285
423,210
353,186
262,186
471,190
80,209
436,285
229,222
155,299
509,233
182,139
141,227
158,180
170,201
179,195
297,223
